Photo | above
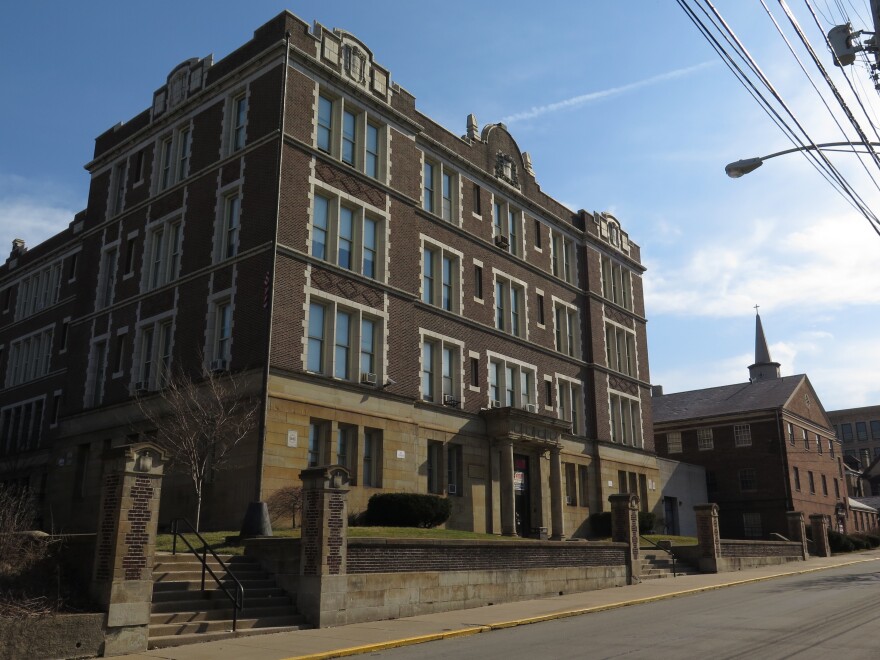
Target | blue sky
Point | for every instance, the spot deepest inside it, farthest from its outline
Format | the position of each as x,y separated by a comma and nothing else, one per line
622,106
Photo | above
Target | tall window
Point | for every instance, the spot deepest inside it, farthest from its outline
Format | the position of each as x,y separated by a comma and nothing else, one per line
29,357
752,525
440,190
239,118
748,480
165,243
117,200
371,164
346,441
166,164
616,283
510,307
511,384
346,236
343,342
346,132
846,432
742,435
567,329
620,349
824,486
861,431
223,334
797,478
806,439
434,465
454,468
441,371
812,481
184,146
441,278
325,124
372,458
349,135
673,442
506,226
231,226
562,249
36,292
319,432
107,286
570,407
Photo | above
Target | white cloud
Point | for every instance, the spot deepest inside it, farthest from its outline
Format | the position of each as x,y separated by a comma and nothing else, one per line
825,265
583,99
32,210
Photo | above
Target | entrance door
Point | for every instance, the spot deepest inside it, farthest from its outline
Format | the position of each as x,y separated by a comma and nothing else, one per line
670,512
522,498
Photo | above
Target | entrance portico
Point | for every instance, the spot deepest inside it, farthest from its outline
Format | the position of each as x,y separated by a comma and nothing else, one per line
524,439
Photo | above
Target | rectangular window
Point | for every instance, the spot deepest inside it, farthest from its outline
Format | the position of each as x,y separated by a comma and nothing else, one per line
478,205
478,282
875,429
342,351
29,357
847,432
118,178
36,292
428,197
742,435
372,458
506,221
561,248
121,351
583,492
434,465
319,431
371,164
223,334
107,288
511,384
475,372
130,255
231,226
548,392
440,193
705,441
818,443
441,273
626,426
166,173
368,347
861,431
346,236
620,349
836,488
616,283
441,372
184,147
752,525
537,233
509,316
541,320
316,338
163,372
806,439
99,374
566,322
349,128
571,492
797,478
325,124
446,196
346,440
454,477
673,442
812,482
748,480
71,268
239,118
165,250
824,486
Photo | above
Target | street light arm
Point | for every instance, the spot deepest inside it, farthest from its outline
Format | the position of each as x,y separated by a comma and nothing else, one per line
741,167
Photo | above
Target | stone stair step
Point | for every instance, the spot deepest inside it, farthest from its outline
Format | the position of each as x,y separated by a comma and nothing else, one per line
163,618
224,625
196,638
180,586
215,603
216,594
185,576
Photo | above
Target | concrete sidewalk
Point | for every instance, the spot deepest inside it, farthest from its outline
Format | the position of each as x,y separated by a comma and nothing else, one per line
365,637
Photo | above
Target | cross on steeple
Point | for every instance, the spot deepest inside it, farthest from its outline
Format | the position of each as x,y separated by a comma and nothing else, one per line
756,308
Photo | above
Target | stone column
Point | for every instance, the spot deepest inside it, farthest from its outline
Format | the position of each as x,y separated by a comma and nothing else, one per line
819,523
708,538
125,548
625,529
797,531
322,593
508,510
557,526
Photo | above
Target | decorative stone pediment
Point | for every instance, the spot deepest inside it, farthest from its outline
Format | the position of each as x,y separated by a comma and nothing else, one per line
524,427
505,169
185,79
353,60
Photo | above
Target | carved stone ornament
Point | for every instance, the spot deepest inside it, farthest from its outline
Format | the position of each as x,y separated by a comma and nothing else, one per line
355,64
505,169
177,88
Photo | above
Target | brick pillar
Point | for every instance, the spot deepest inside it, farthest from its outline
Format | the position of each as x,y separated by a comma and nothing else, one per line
625,529
557,525
122,578
797,531
322,593
819,523
708,538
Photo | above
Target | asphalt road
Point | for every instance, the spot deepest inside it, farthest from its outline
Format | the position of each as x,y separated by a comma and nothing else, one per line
832,615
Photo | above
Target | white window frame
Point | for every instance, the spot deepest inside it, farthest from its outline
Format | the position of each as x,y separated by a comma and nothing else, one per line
620,349
563,260
567,338
673,442
332,306
570,402
742,435
340,105
362,214
163,255
510,286
434,197
508,221
433,294
228,235
118,180
705,440
30,356
39,290
445,389
151,342
617,283
525,398
237,129
109,268
625,417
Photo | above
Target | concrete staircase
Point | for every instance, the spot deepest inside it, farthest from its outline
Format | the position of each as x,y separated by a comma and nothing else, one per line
656,564
182,614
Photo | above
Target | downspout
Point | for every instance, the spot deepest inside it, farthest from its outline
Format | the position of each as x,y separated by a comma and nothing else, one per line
261,436
784,450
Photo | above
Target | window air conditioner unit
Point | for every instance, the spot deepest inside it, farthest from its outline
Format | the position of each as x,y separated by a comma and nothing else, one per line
502,241
219,365
495,404
451,489
531,407
569,499
450,400
369,378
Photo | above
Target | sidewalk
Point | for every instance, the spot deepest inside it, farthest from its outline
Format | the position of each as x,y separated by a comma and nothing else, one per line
365,637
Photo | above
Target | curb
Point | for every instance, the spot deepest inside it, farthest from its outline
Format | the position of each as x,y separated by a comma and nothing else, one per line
501,625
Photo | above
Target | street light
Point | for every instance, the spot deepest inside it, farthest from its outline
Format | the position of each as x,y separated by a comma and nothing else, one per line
736,169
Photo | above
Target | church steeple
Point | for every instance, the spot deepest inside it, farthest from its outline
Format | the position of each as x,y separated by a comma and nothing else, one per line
764,368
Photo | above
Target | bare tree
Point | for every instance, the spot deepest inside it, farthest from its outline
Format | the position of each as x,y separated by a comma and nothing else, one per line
199,423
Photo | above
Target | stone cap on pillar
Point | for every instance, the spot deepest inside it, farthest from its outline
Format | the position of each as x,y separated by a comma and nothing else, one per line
710,508
139,457
819,517
326,477
629,500
797,515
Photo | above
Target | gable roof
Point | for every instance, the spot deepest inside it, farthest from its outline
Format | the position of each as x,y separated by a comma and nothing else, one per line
725,400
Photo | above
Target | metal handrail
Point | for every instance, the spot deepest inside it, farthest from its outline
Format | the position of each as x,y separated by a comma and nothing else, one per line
666,550
238,598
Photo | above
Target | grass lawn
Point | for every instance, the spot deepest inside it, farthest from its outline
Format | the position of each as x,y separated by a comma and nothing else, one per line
676,540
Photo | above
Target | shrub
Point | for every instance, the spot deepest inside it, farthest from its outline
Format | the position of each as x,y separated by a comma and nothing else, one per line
873,539
407,510
840,542
600,523
646,522
859,542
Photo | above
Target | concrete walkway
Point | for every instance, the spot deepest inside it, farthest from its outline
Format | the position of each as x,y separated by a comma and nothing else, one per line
365,637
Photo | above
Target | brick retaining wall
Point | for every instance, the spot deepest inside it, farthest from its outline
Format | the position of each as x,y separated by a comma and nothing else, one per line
409,555
761,549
